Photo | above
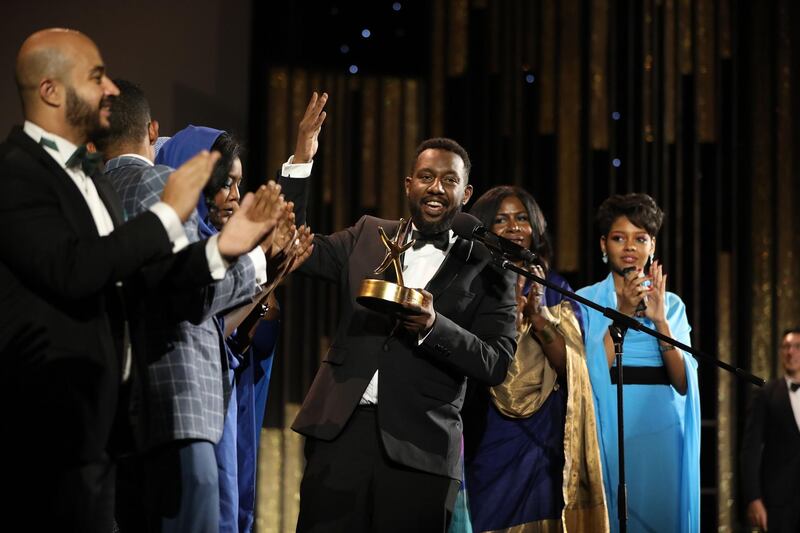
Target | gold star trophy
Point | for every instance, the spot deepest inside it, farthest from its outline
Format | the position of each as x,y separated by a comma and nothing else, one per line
384,296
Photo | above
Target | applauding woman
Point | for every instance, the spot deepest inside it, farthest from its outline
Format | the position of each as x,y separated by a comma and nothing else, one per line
661,404
531,455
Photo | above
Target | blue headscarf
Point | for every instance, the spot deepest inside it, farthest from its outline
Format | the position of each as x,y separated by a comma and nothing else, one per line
183,146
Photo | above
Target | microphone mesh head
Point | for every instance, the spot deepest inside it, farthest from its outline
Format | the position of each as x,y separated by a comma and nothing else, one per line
464,225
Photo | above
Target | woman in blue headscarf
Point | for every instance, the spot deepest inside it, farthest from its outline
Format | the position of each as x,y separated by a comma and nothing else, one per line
250,357
661,403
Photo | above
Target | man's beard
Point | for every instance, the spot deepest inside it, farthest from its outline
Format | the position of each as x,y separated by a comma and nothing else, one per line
430,228
81,115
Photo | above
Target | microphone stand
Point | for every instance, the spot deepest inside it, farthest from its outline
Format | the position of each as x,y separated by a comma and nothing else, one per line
619,326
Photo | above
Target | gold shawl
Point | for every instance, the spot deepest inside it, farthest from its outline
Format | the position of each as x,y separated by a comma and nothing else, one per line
529,382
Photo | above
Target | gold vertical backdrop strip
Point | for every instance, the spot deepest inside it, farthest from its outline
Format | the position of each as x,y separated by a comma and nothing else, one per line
726,438
547,78
458,17
369,148
788,186
293,465
391,183
330,192
598,111
724,25
268,481
762,197
670,68
685,36
569,154
411,130
278,118
300,93
438,61
705,71
647,71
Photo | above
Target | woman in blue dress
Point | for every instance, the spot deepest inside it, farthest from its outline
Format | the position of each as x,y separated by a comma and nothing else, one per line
661,403
250,349
531,458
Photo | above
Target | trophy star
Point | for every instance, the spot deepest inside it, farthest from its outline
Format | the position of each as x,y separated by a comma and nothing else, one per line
393,249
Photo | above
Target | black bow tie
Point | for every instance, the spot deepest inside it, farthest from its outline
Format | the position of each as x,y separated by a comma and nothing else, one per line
88,161
439,240
794,386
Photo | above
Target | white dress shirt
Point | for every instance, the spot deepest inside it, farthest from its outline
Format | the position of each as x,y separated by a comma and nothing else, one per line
419,267
794,399
102,219
168,217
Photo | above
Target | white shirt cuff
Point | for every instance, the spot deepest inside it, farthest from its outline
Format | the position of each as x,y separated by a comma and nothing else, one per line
259,260
217,266
172,224
296,170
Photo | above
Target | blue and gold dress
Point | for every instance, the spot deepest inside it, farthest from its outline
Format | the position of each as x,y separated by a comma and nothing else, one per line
532,461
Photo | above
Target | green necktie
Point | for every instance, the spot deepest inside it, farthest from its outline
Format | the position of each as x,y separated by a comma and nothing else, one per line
88,161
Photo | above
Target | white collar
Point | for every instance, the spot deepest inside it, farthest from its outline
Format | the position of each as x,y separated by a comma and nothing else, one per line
65,147
138,156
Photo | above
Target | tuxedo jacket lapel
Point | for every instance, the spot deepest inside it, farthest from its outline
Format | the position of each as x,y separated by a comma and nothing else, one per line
109,197
784,405
74,205
453,262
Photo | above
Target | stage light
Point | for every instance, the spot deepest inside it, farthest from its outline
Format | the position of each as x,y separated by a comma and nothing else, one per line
615,115
365,33
616,162
397,6
530,78
353,69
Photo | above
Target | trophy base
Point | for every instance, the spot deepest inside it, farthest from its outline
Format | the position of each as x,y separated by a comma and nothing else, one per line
387,297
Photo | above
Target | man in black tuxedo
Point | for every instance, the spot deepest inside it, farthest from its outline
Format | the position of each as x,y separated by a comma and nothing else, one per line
73,263
382,416
771,448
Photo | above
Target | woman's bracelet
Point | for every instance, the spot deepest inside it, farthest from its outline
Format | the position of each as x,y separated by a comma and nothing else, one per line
547,333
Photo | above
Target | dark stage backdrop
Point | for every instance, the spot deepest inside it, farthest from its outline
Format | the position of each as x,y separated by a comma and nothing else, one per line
191,57
695,102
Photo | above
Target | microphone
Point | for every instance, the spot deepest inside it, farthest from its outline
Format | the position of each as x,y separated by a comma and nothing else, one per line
469,227
642,306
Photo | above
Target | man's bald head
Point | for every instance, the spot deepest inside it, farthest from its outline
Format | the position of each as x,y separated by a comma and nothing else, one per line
47,54
63,84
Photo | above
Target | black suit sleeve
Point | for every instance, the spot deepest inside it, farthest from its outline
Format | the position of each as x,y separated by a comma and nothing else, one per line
752,445
38,238
295,190
483,349
331,253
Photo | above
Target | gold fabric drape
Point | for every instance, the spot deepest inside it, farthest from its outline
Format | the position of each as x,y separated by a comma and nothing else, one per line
529,382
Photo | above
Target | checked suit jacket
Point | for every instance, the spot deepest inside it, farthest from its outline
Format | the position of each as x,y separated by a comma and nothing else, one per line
187,383
420,387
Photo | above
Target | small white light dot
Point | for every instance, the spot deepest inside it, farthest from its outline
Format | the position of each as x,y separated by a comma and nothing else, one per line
396,6
616,162
365,33
353,69
530,78
615,115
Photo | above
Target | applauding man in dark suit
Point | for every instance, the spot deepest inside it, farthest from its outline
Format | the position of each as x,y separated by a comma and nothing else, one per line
68,251
771,448
382,416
